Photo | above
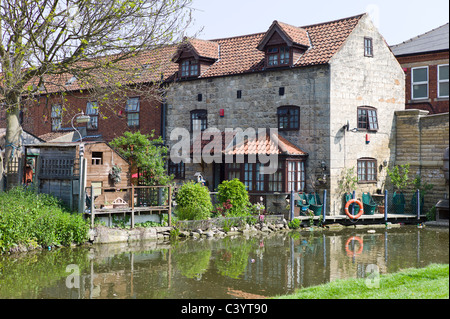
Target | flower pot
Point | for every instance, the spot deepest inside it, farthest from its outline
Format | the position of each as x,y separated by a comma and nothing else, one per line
381,209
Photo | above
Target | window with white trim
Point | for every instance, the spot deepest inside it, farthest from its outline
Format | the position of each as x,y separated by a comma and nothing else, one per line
56,117
92,111
132,108
419,83
443,80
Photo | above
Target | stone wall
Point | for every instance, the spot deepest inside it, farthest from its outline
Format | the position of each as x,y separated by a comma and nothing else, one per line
357,80
421,142
328,97
307,88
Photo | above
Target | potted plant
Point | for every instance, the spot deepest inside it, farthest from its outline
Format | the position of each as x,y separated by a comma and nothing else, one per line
114,174
399,179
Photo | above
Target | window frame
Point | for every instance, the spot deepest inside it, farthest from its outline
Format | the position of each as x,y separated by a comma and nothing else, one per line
204,120
135,122
364,161
367,122
56,117
189,68
278,182
93,113
278,54
97,160
300,170
427,82
178,170
439,81
292,120
368,47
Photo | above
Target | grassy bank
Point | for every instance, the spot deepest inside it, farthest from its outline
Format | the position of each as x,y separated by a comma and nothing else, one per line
431,282
30,220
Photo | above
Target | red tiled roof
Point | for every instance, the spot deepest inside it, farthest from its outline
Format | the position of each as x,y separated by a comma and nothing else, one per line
252,146
202,48
235,55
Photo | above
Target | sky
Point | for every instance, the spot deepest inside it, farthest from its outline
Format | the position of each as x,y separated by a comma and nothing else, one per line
397,20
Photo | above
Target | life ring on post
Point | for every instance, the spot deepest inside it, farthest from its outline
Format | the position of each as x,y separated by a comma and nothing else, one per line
347,248
361,208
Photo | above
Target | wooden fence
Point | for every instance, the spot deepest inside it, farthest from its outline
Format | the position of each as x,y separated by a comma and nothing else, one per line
128,200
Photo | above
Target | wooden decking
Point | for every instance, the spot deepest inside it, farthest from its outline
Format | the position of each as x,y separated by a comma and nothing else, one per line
129,207
366,219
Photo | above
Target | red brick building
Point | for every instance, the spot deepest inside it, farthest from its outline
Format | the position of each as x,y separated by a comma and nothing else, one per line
133,108
425,61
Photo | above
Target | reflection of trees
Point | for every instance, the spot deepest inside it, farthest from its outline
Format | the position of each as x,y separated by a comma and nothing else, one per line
26,275
232,260
192,263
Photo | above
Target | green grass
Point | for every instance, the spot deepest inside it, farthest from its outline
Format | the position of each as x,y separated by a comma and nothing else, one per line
424,283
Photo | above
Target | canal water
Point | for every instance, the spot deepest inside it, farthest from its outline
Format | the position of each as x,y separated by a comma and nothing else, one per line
239,267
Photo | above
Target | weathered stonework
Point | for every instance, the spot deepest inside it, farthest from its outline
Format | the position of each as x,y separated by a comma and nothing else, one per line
328,96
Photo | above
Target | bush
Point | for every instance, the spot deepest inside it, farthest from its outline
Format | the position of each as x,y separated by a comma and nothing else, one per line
28,218
235,192
193,202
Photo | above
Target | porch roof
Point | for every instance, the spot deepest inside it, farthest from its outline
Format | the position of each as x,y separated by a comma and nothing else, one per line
273,144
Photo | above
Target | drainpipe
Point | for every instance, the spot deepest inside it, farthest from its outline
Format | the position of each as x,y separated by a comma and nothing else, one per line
163,121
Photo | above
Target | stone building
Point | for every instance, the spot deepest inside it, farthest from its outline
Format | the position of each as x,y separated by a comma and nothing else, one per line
425,62
331,89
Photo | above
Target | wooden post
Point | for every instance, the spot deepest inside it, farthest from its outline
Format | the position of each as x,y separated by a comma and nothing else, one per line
92,207
132,206
170,206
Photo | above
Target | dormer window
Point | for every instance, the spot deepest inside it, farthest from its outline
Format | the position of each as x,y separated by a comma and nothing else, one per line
195,56
283,44
189,68
278,56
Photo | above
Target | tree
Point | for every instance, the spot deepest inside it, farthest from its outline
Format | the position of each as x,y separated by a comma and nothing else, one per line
96,43
147,154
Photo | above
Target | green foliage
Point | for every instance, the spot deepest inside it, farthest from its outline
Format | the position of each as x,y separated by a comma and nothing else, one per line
348,181
399,176
423,187
193,202
147,154
295,223
235,192
29,219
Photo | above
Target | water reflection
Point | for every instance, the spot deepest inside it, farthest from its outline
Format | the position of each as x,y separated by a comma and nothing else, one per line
227,268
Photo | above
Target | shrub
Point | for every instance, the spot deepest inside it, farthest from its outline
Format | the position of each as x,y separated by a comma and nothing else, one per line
294,224
27,218
193,202
235,192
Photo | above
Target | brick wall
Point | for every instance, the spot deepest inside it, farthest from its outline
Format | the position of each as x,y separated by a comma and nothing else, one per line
112,121
421,142
433,104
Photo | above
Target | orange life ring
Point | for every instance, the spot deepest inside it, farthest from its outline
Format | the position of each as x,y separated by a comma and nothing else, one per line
361,209
361,246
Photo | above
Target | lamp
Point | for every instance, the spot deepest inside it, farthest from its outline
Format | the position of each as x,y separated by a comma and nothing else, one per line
80,118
